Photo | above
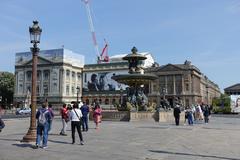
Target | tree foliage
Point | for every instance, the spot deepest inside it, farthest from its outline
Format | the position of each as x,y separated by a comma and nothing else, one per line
7,87
222,104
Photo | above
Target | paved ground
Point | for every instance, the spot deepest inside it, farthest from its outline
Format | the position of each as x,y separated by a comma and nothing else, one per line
129,141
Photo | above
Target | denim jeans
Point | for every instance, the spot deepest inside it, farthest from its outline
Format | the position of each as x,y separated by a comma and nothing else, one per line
42,132
50,126
85,123
190,119
64,129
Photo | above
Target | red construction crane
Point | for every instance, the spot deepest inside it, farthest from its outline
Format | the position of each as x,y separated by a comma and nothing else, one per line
103,57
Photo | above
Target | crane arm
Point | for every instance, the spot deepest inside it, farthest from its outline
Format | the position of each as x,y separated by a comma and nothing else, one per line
91,27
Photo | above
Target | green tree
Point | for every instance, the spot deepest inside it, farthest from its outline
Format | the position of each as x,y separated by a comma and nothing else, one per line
222,104
6,87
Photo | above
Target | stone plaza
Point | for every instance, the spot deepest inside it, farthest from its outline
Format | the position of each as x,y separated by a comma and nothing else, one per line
146,140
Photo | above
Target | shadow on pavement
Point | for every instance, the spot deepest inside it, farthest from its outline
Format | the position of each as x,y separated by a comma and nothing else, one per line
7,139
163,127
195,155
24,145
62,142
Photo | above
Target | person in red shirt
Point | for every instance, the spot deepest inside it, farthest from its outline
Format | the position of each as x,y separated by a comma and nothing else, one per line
65,119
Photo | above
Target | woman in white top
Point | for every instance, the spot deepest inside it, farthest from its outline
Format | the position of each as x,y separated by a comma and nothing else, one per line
75,116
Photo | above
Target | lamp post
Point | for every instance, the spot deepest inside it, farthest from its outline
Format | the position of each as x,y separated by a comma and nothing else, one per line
35,34
121,96
78,90
207,92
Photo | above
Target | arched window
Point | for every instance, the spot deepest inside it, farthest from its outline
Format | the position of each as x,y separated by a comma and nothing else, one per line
106,101
113,101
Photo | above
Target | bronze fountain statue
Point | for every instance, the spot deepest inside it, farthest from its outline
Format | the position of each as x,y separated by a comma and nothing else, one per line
136,79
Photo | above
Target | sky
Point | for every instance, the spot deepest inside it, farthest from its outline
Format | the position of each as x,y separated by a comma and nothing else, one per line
205,32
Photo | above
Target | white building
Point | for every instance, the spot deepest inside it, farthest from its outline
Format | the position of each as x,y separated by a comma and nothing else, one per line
59,73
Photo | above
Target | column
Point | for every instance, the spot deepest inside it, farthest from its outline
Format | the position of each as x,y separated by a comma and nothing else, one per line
174,85
192,83
183,85
63,78
41,82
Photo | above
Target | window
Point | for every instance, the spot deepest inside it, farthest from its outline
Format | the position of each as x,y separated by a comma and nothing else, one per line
20,88
46,75
29,88
73,90
73,75
68,73
106,101
113,101
170,84
79,76
39,75
67,89
178,83
186,86
29,76
38,89
161,83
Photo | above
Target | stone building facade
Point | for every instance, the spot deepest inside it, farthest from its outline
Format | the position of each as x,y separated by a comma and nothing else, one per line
183,83
59,73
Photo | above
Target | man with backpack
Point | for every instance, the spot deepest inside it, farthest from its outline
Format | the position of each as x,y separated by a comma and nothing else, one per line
43,117
85,111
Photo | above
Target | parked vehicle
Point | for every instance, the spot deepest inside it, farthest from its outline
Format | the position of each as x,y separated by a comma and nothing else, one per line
23,111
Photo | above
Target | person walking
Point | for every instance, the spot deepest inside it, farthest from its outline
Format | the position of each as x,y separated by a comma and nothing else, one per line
97,115
75,117
85,111
190,116
43,117
52,116
65,119
176,113
206,113
2,124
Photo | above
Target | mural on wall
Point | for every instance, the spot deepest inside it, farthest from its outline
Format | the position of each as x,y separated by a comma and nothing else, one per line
53,55
235,103
102,81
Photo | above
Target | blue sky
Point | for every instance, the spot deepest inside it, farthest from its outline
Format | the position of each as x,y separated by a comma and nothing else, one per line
205,32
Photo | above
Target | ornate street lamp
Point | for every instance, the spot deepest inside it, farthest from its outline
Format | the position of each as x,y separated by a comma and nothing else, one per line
78,91
121,96
207,92
35,34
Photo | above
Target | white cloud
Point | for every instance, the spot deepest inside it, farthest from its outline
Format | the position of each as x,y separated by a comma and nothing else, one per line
234,7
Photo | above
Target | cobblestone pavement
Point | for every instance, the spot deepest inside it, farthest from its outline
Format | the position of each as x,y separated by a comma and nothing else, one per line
218,140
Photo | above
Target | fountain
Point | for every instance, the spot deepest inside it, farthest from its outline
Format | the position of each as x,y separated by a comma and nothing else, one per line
136,79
